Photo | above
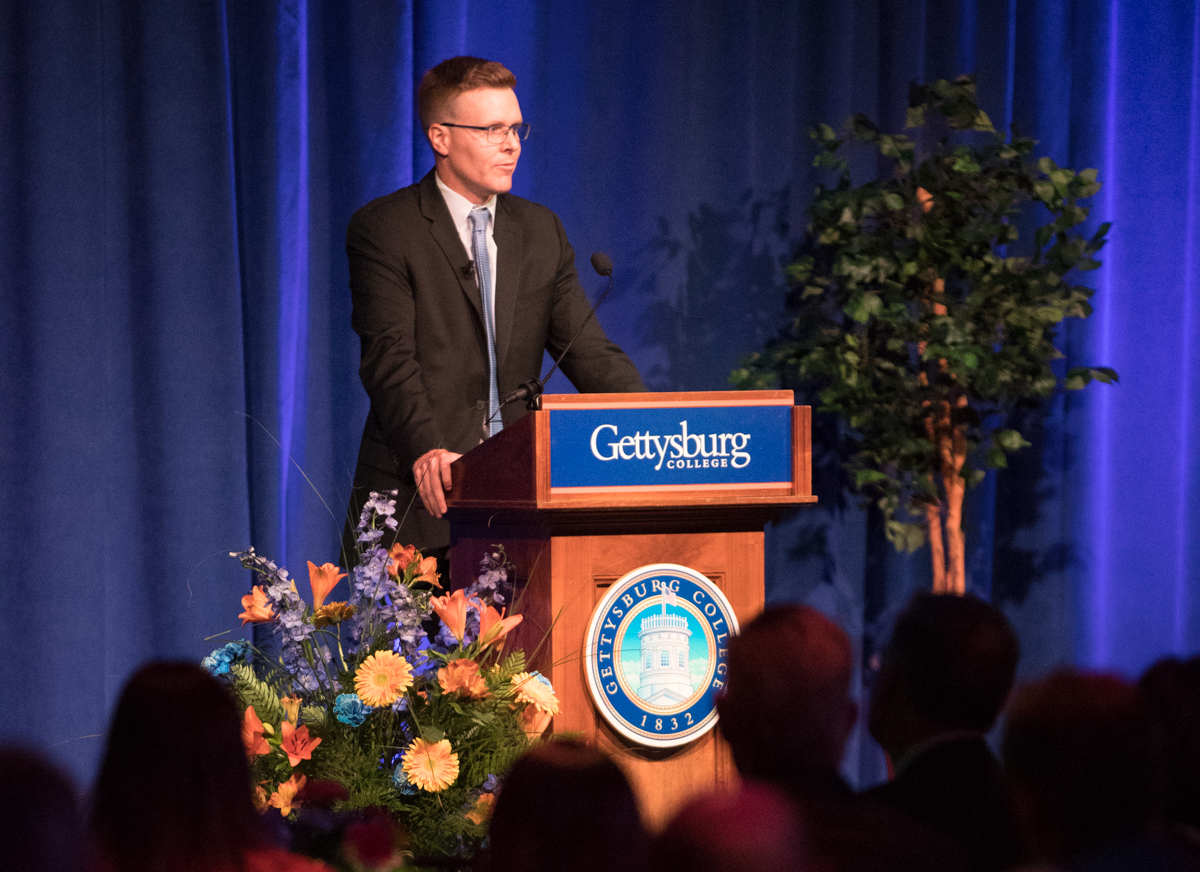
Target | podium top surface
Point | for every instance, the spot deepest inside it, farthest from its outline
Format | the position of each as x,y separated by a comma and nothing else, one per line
637,451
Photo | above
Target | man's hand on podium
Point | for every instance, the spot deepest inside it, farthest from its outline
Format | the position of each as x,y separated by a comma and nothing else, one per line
432,474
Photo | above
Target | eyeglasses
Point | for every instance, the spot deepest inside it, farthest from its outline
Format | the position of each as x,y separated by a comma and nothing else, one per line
497,133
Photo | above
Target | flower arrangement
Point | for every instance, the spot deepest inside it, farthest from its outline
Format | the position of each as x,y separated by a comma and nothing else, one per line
401,695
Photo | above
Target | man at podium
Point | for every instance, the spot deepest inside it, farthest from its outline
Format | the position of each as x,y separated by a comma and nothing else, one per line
459,288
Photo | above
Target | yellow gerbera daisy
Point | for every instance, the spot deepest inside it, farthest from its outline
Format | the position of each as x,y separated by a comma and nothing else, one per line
534,690
382,677
430,766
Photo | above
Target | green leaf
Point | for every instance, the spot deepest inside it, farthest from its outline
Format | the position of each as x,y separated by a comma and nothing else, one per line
863,308
915,116
1079,376
863,477
905,537
1009,440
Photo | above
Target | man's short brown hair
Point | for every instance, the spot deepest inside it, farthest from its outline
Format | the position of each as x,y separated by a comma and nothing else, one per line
455,76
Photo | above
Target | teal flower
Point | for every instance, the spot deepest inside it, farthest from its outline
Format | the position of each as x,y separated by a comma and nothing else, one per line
350,709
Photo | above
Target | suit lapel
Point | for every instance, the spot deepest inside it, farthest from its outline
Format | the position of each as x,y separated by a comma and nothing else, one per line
441,227
510,241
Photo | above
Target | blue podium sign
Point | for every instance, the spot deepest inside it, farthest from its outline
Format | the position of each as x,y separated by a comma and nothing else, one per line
673,447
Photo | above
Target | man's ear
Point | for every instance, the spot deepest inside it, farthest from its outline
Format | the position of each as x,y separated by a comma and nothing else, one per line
439,139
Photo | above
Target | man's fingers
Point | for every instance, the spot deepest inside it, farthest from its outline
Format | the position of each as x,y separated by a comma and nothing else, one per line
432,472
446,459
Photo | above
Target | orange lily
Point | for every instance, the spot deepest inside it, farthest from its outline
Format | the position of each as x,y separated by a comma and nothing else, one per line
463,676
291,708
925,199
257,610
427,571
252,734
399,558
284,797
323,579
296,743
534,720
452,609
482,810
493,626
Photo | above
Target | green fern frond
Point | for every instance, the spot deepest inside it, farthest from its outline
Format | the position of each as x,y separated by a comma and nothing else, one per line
253,691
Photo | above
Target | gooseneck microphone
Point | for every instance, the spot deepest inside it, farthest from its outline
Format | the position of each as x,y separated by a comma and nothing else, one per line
531,391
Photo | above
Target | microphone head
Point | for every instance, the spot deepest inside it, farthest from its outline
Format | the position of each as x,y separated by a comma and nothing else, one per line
602,263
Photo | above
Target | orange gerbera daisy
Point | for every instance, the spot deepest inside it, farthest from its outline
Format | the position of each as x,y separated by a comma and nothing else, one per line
256,608
382,677
331,614
323,580
463,676
493,626
533,690
284,797
431,766
252,734
296,743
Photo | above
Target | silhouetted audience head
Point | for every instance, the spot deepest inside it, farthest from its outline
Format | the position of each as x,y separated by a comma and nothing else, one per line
1079,748
1171,691
40,826
565,807
949,666
787,708
174,788
752,829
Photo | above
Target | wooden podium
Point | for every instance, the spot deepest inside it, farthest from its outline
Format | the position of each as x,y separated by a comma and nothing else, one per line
570,543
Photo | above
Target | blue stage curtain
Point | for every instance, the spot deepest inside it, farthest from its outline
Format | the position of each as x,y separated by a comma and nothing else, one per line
178,376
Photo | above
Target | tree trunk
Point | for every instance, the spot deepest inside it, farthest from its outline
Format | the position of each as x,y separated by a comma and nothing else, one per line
947,544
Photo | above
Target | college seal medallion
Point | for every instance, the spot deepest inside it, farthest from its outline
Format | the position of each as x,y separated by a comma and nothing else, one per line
655,654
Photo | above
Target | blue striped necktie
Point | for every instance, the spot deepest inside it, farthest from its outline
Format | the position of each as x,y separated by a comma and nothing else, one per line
479,218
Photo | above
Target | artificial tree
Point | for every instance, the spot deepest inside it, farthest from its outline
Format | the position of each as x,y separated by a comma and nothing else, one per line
916,317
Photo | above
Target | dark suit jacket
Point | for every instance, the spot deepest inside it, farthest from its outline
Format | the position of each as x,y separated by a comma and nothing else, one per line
958,788
853,833
419,315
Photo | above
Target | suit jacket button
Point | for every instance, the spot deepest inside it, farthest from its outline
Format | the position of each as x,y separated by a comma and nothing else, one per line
480,404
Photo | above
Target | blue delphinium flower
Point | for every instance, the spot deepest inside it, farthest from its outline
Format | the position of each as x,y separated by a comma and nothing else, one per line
491,784
493,575
219,661
543,679
350,709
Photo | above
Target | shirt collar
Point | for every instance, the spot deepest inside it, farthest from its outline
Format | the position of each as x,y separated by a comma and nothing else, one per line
460,207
